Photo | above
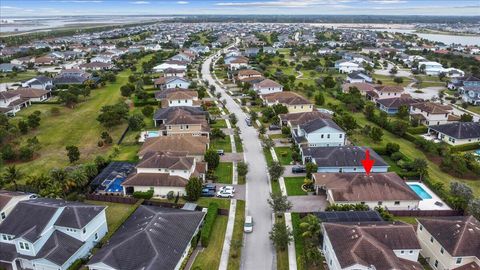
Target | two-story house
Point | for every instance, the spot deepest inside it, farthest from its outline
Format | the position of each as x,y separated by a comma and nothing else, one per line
163,172
151,238
50,234
171,64
392,105
171,82
319,133
40,82
346,66
8,201
293,120
376,189
294,102
192,146
450,243
248,76
430,113
370,246
180,97
11,102
358,77
267,86
182,120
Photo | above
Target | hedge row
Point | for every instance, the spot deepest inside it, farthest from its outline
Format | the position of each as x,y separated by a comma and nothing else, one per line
208,224
417,130
145,103
147,195
465,147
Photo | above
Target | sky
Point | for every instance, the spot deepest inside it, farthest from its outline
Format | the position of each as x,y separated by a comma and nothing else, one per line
9,8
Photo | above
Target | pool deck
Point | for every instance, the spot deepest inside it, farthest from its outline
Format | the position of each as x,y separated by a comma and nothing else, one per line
144,135
429,204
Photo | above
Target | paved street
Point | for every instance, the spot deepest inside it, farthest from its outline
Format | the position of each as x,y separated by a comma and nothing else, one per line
258,252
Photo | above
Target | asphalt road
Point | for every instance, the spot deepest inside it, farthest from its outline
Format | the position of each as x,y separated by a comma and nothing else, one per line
258,252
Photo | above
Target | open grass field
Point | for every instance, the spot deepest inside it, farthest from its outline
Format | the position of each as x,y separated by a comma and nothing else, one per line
209,258
20,76
294,186
78,126
284,155
237,237
224,172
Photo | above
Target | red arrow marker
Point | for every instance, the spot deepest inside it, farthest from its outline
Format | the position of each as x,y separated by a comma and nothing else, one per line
367,162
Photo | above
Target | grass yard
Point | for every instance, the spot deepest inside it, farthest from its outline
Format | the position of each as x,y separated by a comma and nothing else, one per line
209,258
222,203
277,136
294,186
221,144
238,143
275,187
219,123
475,109
78,126
300,245
284,155
409,220
224,172
237,237
282,255
20,76
388,80
268,156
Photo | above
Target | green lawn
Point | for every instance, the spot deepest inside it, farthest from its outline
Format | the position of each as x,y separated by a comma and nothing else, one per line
275,187
237,237
294,186
238,143
475,109
388,80
409,220
284,155
20,76
76,126
268,155
282,255
224,172
221,144
219,123
300,245
277,136
209,258
222,203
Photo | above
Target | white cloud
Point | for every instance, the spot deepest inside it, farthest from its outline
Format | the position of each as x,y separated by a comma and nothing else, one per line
10,7
284,3
140,2
388,1
183,2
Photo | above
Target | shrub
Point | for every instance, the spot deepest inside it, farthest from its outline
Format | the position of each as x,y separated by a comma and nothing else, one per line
417,130
147,195
391,148
465,147
212,213
170,195
396,156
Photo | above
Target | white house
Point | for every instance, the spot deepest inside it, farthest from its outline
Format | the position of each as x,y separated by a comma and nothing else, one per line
345,66
370,246
431,68
9,200
319,133
171,64
11,103
48,234
450,243
267,86
387,190
457,133
40,82
430,113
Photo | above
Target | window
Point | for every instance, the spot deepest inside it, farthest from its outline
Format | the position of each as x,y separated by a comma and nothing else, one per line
411,251
4,237
328,136
340,135
380,203
441,250
3,215
27,247
459,261
401,252
321,136
21,245
186,127
96,236
397,202
436,263
84,230
421,228
431,239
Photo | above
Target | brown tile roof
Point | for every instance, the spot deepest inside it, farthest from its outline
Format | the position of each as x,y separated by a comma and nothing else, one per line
267,83
249,72
240,59
166,160
182,94
360,187
201,167
432,107
191,145
286,98
296,119
155,180
389,88
469,266
362,87
30,92
372,244
459,236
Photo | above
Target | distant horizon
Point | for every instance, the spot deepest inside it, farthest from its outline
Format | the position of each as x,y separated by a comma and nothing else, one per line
226,14
460,8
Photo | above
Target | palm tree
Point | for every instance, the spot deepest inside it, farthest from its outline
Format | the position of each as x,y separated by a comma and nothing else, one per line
59,179
11,176
79,178
310,228
38,182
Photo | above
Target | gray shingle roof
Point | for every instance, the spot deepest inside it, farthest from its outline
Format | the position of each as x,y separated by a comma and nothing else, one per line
319,123
152,238
349,156
460,130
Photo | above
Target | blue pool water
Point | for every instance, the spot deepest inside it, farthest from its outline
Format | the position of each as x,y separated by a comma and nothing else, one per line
477,152
115,185
420,191
152,134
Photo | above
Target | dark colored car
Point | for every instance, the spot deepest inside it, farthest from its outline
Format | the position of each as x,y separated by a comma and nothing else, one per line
298,169
207,193
274,127
210,187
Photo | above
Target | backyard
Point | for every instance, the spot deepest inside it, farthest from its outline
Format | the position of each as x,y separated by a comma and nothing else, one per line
209,258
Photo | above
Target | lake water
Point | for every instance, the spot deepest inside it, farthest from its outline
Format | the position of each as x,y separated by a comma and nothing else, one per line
447,39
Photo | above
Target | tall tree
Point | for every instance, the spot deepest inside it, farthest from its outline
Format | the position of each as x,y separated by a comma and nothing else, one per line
73,153
281,236
279,203
11,176
275,170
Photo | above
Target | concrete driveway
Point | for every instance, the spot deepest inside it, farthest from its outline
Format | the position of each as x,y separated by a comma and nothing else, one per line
230,157
306,204
288,172
240,190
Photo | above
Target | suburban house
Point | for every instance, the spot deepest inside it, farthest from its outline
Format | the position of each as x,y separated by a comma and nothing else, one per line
50,234
430,68
319,133
267,86
450,243
386,91
391,105
341,158
152,238
457,133
40,82
171,64
96,66
293,101
358,77
293,120
387,190
11,103
109,179
364,88
345,66
171,82
7,67
471,94
171,72
8,200
370,245
178,97
192,146
248,76
182,120
32,94
163,172
236,62
71,76
430,113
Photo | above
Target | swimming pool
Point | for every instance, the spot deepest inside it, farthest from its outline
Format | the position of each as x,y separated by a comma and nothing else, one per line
420,191
152,134
115,185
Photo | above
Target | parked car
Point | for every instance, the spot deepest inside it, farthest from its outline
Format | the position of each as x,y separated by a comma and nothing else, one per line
298,169
248,121
207,193
227,188
210,187
220,152
225,194
248,226
273,127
